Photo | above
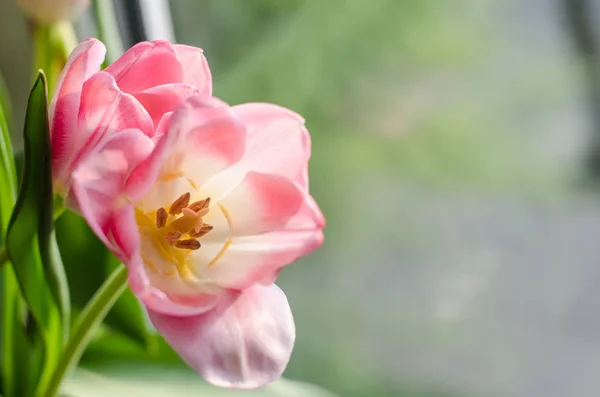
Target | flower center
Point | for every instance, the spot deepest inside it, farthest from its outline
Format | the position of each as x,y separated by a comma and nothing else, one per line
182,225
175,231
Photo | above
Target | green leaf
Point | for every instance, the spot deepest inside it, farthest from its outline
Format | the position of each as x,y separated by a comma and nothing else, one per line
139,379
75,237
15,348
30,238
17,351
7,165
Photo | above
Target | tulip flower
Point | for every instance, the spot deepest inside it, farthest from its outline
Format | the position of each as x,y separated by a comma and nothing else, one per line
137,91
203,202
48,11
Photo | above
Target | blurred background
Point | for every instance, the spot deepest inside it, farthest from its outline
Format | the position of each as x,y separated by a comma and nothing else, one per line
456,156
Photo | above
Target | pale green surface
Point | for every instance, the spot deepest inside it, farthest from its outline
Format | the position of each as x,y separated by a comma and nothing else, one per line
154,381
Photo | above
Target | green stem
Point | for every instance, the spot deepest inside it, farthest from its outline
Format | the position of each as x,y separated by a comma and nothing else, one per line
43,54
63,39
88,321
108,30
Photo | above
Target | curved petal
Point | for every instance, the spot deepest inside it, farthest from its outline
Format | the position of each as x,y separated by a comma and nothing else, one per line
195,68
262,203
84,61
258,259
146,65
164,99
104,111
272,222
277,141
245,342
159,302
98,188
201,141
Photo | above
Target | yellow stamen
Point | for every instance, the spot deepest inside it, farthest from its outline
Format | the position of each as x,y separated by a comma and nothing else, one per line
189,244
171,176
161,218
203,230
198,205
179,204
221,253
172,237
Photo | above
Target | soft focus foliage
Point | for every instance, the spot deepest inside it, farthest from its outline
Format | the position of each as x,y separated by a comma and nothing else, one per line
47,11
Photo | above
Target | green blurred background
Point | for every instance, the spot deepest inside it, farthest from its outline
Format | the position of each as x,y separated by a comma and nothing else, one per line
454,147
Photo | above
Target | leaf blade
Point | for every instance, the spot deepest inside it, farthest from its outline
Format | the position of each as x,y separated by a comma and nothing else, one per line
30,234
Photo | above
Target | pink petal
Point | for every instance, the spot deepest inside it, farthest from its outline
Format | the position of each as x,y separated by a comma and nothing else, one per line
258,259
146,65
245,342
195,68
273,222
164,99
201,141
163,126
153,298
104,111
262,203
98,187
277,141
84,61
159,302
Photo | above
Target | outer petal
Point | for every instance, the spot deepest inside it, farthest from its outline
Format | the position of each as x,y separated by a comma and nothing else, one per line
104,111
84,61
146,65
273,222
195,68
164,99
159,302
98,187
258,259
245,342
277,140
201,141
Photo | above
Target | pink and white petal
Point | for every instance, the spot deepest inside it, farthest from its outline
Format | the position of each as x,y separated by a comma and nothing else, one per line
244,342
163,125
195,68
309,217
98,183
104,111
256,259
201,141
146,65
85,60
163,99
277,141
160,303
262,203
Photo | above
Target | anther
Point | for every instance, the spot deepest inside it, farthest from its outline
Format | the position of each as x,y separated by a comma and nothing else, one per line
203,230
161,217
189,244
172,237
179,204
198,205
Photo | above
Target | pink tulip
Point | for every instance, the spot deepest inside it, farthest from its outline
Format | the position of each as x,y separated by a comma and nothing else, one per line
205,205
139,90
